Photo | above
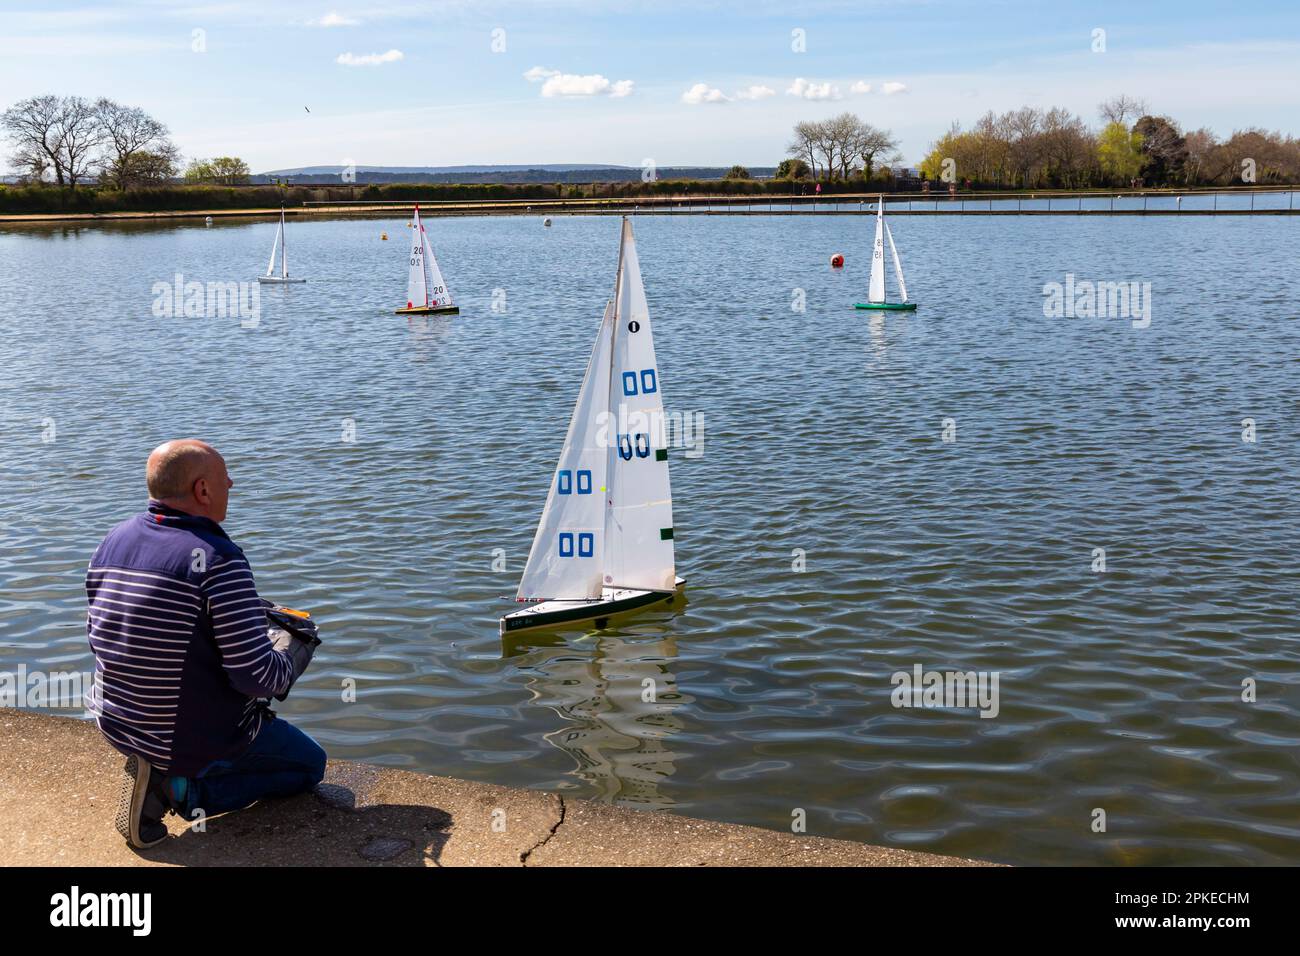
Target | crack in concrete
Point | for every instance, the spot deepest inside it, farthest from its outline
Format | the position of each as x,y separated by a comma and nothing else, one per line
523,857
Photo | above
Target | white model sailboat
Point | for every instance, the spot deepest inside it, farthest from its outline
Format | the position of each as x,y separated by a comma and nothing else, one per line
604,544
426,292
876,290
278,244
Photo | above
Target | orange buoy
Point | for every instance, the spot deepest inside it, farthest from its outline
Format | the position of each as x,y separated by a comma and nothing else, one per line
837,261
383,236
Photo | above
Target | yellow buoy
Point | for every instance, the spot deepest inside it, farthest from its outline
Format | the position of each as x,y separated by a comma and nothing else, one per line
384,236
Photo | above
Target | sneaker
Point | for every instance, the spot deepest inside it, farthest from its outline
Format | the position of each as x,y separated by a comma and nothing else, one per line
141,807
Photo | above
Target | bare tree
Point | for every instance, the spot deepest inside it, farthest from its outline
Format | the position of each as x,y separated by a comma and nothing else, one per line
992,148
1201,144
1024,128
1120,109
128,131
835,137
1068,144
870,144
828,144
807,137
33,128
31,163
80,135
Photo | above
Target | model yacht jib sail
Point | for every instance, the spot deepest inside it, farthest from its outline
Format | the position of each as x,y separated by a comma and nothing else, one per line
876,296
604,544
278,244
426,290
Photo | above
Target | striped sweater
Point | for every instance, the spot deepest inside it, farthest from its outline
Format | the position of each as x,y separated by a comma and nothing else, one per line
180,643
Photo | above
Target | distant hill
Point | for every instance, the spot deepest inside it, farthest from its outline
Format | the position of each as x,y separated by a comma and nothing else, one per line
544,173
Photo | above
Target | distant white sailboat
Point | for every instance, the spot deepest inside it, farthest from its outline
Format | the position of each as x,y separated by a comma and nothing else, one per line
283,278
426,292
876,290
604,544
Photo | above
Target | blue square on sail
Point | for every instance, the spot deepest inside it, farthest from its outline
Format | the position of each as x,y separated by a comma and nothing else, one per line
566,544
648,384
566,482
584,482
629,383
586,545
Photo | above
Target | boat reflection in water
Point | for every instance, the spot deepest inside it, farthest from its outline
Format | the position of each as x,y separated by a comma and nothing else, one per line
619,702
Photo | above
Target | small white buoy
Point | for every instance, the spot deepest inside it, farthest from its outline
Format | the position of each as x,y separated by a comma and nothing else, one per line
546,221
207,221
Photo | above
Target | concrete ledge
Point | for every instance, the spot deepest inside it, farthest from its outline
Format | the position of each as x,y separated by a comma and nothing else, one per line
59,783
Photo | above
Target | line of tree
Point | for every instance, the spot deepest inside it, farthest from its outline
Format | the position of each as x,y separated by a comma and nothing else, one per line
837,148
222,171
69,140
1036,148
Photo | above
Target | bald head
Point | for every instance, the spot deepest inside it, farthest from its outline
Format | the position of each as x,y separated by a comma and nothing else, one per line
189,475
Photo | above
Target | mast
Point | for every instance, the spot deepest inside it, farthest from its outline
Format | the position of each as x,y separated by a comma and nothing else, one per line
424,255
618,302
609,391
284,253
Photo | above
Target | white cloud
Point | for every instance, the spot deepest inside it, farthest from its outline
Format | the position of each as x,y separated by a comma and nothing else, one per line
703,93
861,86
813,91
892,87
333,19
369,59
555,83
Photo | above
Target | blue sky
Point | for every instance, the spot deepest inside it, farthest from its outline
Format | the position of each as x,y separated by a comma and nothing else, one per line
612,81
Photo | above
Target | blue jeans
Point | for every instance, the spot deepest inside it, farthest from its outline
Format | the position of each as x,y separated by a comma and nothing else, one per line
280,762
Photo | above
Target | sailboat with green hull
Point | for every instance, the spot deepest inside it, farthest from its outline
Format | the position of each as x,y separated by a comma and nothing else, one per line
876,300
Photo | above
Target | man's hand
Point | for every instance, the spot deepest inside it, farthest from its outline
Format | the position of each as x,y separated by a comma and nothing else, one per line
295,637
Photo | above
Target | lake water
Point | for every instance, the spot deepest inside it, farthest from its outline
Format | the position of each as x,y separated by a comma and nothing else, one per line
1119,690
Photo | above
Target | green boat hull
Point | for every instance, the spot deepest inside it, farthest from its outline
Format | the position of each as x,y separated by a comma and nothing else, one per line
887,306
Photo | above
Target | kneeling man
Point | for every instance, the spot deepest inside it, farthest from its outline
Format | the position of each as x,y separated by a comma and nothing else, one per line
183,658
